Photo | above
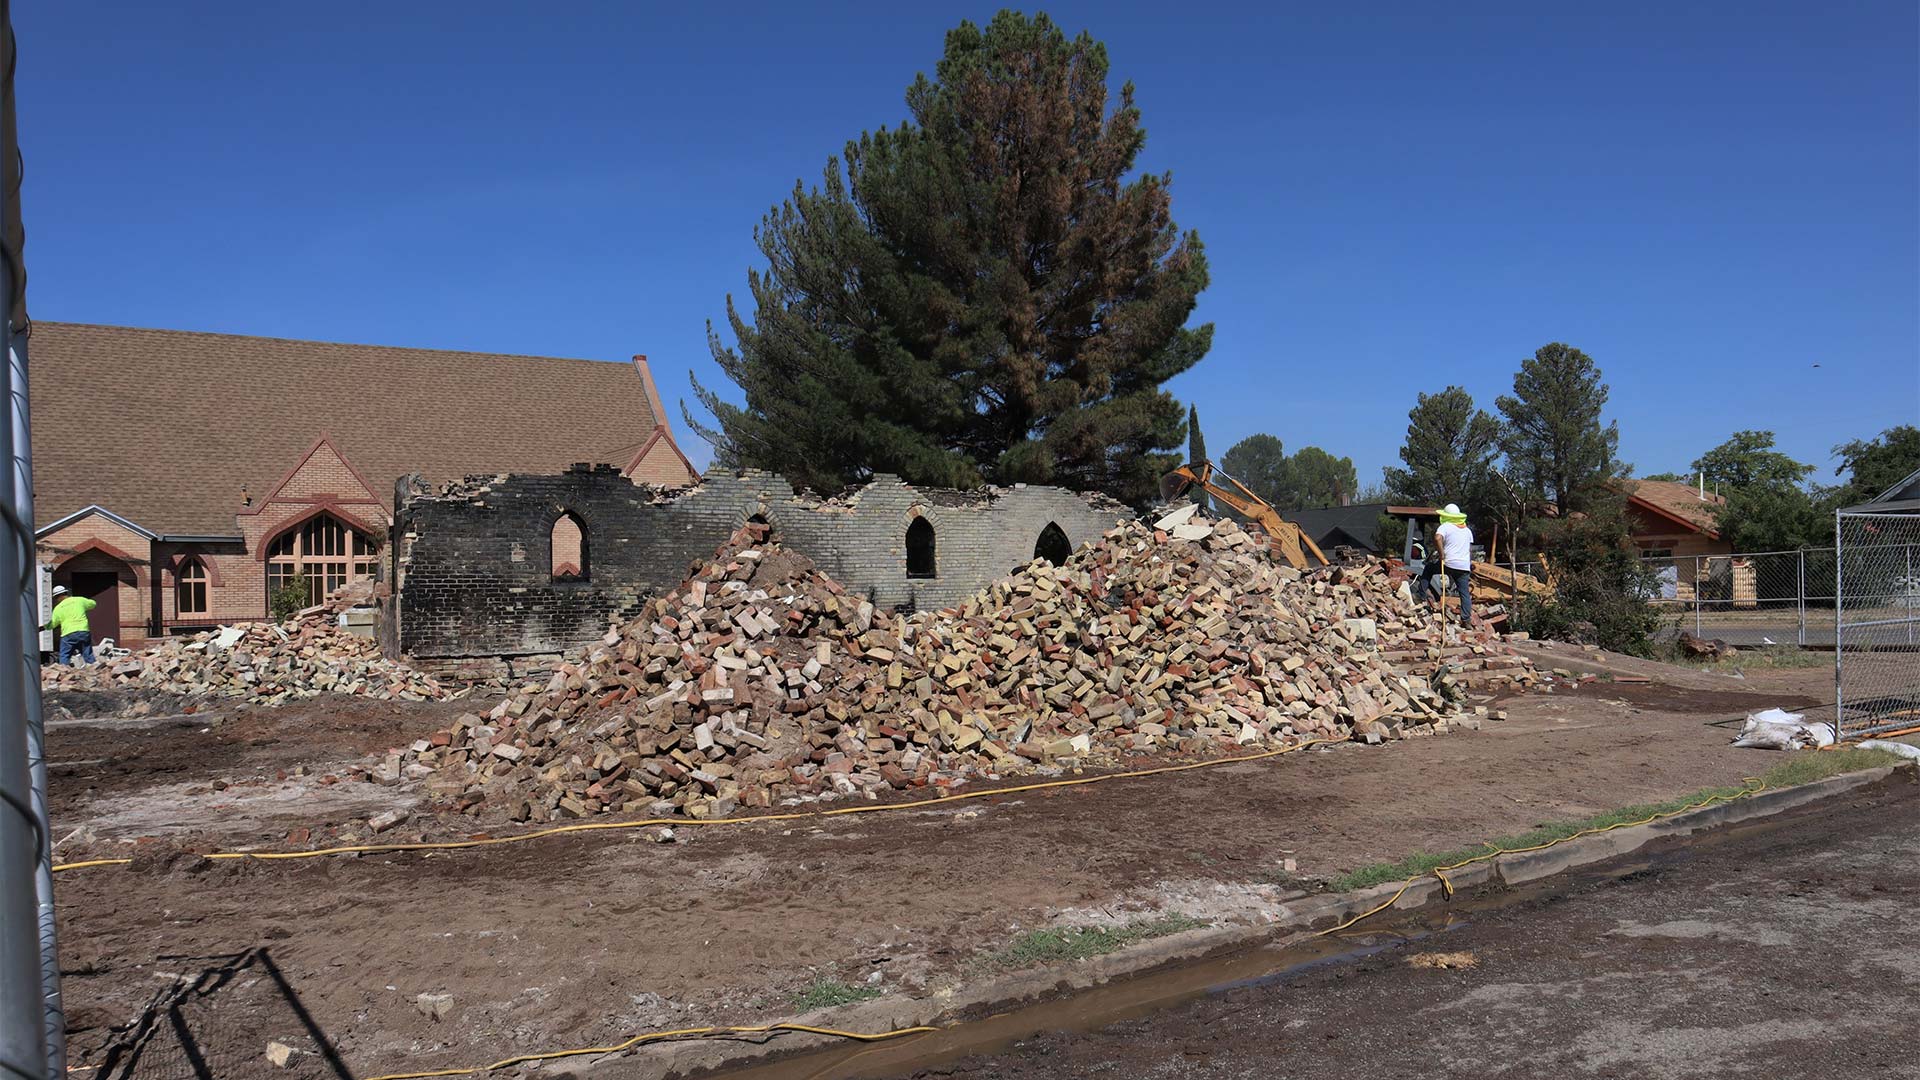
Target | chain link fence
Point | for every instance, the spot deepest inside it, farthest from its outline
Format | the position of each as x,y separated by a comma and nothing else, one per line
1876,622
1751,600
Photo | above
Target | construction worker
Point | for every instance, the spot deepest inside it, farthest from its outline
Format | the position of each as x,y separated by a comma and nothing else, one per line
69,624
1454,542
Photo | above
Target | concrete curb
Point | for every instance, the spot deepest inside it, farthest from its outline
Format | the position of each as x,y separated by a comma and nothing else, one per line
1013,990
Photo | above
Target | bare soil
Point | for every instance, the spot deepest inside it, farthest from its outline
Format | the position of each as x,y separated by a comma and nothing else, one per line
1778,952
596,937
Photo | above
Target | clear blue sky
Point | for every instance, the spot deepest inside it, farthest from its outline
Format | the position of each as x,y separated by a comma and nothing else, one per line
1709,198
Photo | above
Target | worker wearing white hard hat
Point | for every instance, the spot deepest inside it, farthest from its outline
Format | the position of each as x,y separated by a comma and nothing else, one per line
70,626
1455,543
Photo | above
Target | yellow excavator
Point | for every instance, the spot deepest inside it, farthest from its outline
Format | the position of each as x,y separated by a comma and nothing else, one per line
1284,538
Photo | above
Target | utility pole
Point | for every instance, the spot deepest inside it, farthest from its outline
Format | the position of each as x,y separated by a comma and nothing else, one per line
32,1029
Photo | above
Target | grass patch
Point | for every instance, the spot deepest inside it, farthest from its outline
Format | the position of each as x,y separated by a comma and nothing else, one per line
1801,768
824,993
1080,942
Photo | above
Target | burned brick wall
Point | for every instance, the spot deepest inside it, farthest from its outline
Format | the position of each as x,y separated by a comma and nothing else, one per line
474,568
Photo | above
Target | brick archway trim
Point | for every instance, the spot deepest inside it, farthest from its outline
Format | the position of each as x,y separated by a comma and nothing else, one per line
346,516
104,548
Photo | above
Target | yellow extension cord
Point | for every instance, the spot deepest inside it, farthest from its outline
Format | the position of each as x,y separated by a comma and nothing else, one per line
1755,786
600,826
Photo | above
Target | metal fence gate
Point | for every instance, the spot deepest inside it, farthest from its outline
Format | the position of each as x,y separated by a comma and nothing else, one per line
1876,622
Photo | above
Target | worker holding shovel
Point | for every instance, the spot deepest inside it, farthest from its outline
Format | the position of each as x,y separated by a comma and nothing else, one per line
1455,543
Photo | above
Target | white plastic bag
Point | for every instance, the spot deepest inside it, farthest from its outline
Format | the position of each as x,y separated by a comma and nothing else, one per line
1905,750
1777,729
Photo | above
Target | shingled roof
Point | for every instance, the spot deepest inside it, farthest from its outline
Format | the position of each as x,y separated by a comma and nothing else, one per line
168,427
1680,501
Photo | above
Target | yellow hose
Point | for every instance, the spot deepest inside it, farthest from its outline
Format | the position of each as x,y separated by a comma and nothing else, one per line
599,826
1754,787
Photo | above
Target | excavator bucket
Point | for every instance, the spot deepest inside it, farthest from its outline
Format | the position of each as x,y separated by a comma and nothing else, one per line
1174,483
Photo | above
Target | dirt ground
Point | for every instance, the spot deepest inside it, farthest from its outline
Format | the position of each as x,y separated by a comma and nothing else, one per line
1775,953
587,938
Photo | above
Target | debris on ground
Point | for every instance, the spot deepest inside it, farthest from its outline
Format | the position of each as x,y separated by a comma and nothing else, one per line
309,654
1777,729
1444,961
761,680
1697,648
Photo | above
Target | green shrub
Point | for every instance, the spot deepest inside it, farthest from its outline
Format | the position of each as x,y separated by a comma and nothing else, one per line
288,598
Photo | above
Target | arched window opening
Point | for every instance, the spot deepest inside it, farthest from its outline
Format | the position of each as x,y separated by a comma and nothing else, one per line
1053,545
324,553
569,549
190,588
920,555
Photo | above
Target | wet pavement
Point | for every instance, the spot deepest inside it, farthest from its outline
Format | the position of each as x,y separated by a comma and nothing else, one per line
1782,952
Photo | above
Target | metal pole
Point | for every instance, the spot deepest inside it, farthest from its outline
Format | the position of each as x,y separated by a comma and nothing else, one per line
1906,590
1800,590
1696,596
23,1048
1839,643
55,1014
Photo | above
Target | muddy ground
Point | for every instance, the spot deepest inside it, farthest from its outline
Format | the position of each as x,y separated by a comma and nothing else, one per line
1776,953
587,938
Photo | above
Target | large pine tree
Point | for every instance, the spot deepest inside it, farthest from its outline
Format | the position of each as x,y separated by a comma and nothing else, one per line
979,293
1554,436
1449,453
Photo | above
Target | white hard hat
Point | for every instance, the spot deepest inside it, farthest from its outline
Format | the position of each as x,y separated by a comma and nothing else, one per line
1452,509
59,590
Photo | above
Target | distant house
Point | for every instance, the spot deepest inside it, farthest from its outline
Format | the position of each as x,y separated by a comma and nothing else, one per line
1677,526
1668,518
1901,498
181,478
1356,526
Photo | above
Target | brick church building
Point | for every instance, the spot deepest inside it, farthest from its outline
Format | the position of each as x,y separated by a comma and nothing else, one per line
181,477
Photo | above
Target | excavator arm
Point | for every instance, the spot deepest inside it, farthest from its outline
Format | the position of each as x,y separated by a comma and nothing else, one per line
1284,538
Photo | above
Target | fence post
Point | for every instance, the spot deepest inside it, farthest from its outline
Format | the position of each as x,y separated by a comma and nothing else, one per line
1800,589
1907,593
1839,644
1696,596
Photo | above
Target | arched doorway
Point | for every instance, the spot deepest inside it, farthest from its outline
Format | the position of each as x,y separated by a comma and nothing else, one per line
567,548
1053,544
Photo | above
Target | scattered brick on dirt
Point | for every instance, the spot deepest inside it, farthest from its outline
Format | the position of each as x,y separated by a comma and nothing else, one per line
269,663
761,681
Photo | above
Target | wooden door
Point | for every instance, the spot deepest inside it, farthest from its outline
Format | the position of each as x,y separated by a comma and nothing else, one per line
103,588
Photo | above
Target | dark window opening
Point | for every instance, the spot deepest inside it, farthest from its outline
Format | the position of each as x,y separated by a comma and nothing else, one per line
190,588
1053,545
920,556
569,549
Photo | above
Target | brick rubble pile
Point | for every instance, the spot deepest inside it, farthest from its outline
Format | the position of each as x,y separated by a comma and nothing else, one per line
268,663
761,680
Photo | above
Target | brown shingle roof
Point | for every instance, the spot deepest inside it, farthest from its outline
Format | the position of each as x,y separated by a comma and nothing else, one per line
1678,500
166,427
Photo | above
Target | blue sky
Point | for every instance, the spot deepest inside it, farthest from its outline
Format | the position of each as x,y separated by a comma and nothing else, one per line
1709,198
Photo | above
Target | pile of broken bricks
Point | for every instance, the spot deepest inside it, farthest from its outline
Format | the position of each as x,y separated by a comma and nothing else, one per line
267,663
760,681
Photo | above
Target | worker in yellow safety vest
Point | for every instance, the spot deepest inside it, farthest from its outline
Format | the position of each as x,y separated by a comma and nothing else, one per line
69,624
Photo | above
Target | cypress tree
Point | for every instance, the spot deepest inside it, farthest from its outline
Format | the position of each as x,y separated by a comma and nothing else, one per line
1197,451
978,294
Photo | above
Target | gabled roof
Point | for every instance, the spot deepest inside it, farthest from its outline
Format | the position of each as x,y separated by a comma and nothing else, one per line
91,511
168,427
1357,525
1680,503
1901,498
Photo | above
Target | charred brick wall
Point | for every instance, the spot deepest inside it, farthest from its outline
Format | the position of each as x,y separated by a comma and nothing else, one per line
473,564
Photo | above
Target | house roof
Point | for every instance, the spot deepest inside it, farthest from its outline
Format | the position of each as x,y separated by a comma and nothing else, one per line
1679,502
1357,525
168,427
1901,498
